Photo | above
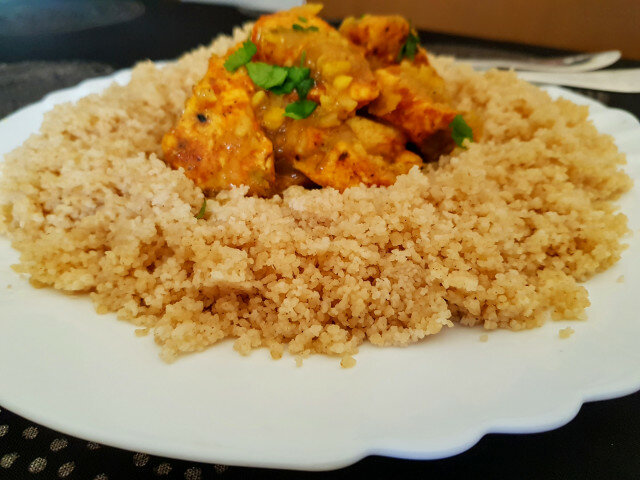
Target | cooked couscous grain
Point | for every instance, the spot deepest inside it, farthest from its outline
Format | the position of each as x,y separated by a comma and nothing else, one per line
142,332
566,332
348,362
497,235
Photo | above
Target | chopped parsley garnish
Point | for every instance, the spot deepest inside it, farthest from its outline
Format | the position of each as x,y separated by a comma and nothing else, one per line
283,80
300,109
300,28
203,209
295,77
286,87
303,20
304,86
241,57
410,47
266,76
297,74
460,131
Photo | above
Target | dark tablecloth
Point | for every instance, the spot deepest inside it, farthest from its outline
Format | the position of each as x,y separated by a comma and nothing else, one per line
45,46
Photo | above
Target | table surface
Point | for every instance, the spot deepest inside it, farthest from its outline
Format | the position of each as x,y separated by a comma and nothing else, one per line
44,48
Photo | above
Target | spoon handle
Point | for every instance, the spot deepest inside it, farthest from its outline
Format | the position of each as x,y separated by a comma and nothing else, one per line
616,80
584,62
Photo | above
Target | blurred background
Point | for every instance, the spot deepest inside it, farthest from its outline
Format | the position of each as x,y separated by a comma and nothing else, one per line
582,25
585,25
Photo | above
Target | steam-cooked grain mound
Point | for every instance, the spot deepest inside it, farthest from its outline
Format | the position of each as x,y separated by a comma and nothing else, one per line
497,235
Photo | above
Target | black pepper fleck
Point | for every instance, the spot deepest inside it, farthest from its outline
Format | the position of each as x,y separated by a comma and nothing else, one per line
202,118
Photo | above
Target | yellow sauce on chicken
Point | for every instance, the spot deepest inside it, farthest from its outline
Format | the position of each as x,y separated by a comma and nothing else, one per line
370,100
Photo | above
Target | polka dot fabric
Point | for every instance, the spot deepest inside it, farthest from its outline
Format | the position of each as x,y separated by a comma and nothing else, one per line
29,451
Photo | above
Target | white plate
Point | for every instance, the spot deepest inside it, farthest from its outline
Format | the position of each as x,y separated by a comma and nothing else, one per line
65,367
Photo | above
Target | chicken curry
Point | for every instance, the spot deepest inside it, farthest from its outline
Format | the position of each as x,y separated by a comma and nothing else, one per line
303,103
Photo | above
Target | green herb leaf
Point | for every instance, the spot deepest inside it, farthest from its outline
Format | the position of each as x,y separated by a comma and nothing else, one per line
297,74
410,47
203,209
300,28
303,20
295,77
300,109
304,86
266,76
286,87
241,56
460,131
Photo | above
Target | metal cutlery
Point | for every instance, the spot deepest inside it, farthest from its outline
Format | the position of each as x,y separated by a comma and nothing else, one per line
616,80
584,62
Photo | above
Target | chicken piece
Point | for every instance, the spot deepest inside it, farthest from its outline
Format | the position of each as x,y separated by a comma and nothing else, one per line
421,58
413,98
344,81
305,15
358,151
218,140
347,163
378,138
381,37
344,165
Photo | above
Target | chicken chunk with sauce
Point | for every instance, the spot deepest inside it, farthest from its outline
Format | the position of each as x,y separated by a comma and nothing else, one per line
357,151
382,38
412,94
234,133
413,98
344,81
218,140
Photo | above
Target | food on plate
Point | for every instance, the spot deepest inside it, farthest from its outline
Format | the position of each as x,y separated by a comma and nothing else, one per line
332,112
565,333
218,140
383,38
262,189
